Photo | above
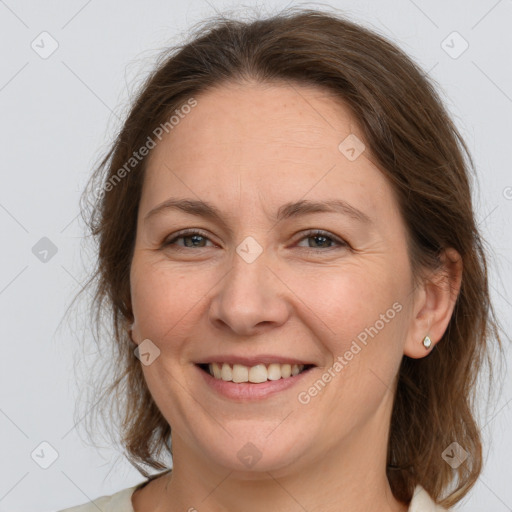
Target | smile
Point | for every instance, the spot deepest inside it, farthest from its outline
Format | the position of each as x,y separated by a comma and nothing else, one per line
256,374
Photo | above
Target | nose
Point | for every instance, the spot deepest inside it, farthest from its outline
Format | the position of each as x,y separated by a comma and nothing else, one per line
250,298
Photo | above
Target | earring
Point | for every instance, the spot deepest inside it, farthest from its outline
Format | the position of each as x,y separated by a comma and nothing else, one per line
427,342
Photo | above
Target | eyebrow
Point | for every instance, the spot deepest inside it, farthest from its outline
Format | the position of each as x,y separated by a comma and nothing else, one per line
287,211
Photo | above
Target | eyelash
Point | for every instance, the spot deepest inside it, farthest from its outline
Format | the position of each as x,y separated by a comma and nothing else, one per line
308,234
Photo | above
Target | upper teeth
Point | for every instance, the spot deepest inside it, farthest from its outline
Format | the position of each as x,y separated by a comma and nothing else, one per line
255,374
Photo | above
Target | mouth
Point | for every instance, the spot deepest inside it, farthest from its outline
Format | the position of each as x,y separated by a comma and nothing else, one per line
257,374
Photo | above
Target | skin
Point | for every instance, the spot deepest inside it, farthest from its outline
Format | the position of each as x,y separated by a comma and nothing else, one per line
248,148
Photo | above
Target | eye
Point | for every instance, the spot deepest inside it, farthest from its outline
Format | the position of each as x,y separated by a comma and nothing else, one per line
191,238
322,237
198,239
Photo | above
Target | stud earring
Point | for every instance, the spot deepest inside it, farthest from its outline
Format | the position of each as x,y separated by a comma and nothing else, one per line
427,342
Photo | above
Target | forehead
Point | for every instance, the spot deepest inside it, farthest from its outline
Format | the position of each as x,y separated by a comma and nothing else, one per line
267,144
280,115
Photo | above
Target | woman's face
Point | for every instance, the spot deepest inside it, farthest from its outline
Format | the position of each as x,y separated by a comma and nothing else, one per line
253,286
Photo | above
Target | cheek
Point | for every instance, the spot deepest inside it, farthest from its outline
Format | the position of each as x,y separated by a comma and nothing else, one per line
165,301
365,313
350,299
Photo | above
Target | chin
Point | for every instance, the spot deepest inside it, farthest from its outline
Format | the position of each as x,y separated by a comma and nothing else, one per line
251,452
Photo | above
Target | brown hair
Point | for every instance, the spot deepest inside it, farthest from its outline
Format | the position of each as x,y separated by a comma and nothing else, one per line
412,140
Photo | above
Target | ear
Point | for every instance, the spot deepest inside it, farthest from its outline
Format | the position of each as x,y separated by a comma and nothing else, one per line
132,331
434,302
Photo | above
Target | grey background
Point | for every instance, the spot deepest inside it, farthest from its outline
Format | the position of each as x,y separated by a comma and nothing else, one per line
58,115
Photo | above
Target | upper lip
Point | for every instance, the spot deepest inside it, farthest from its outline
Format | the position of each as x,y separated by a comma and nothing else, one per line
253,360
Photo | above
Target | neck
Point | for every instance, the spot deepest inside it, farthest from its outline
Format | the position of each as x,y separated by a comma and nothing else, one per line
349,477
314,489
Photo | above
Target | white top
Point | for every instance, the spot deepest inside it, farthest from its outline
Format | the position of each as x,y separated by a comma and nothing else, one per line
122,502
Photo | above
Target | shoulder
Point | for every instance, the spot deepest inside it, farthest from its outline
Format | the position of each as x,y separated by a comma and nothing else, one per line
422,502
122,502
119,502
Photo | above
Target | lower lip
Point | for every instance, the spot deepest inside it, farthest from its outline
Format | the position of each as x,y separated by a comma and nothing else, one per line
248,391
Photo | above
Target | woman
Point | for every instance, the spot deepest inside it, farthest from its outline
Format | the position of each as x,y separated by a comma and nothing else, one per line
297,283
